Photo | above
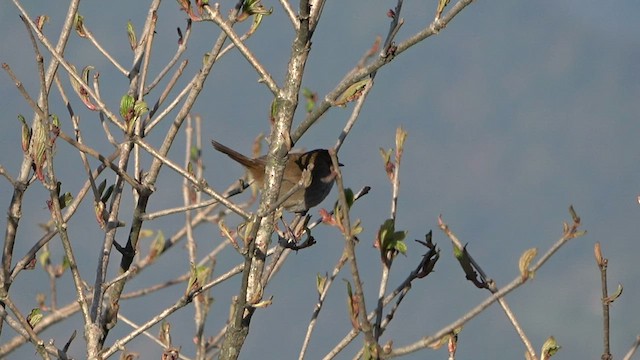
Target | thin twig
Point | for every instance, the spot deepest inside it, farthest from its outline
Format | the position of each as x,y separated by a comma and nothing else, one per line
172,105
182,47
153,338
318,307
89,36
192,179
633,349
244,50
492,287
56,53
570,232
165,93
350,253
355,115
358,73
603,263
291,14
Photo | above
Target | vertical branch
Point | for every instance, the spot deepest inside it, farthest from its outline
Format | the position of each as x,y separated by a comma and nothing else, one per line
400,138
321,298
188,195
138,85
21,182
286,103
350,253
195,86
107,320
602,263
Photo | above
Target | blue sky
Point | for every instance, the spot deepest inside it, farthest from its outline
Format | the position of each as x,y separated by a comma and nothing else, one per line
514,112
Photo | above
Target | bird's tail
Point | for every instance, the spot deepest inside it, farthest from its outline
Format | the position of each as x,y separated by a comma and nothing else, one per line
247,162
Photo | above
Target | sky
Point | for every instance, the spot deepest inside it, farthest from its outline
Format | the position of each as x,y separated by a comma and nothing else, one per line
514,112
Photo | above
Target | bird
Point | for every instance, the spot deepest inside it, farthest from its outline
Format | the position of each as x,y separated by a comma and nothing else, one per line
322,176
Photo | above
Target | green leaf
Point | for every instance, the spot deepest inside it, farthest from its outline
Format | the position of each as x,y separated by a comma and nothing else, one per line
65,263
550,348
126,107
352,306
391,239
157,246
45,258
80,88
321,282
79,26
38,155
26,134
401,247
352,93
198,277
357,228
65,199
613,297
441,5
40,21
34,317
107,194
101,187
55,120
311,98
131,34
194,153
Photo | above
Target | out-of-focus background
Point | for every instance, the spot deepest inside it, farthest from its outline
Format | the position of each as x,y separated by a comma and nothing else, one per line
514,111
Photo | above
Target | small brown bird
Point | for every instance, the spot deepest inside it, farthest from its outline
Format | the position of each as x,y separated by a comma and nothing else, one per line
322,175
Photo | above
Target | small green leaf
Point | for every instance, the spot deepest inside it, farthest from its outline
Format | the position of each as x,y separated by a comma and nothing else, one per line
65,199
194,153
140,108
198,277
80,88
79,26
613,297
574,215
38,155
550,348
311,98
145,233
65,263
441,5
55,120
348,194
126,107
99,209
401,137
34,317
274,110
357,228
107,194
391,239
165,333
352,93
101,187
401,247
131,34
321,282
44,258
257,10
40,21
525,261
353,306
157,246
26,134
